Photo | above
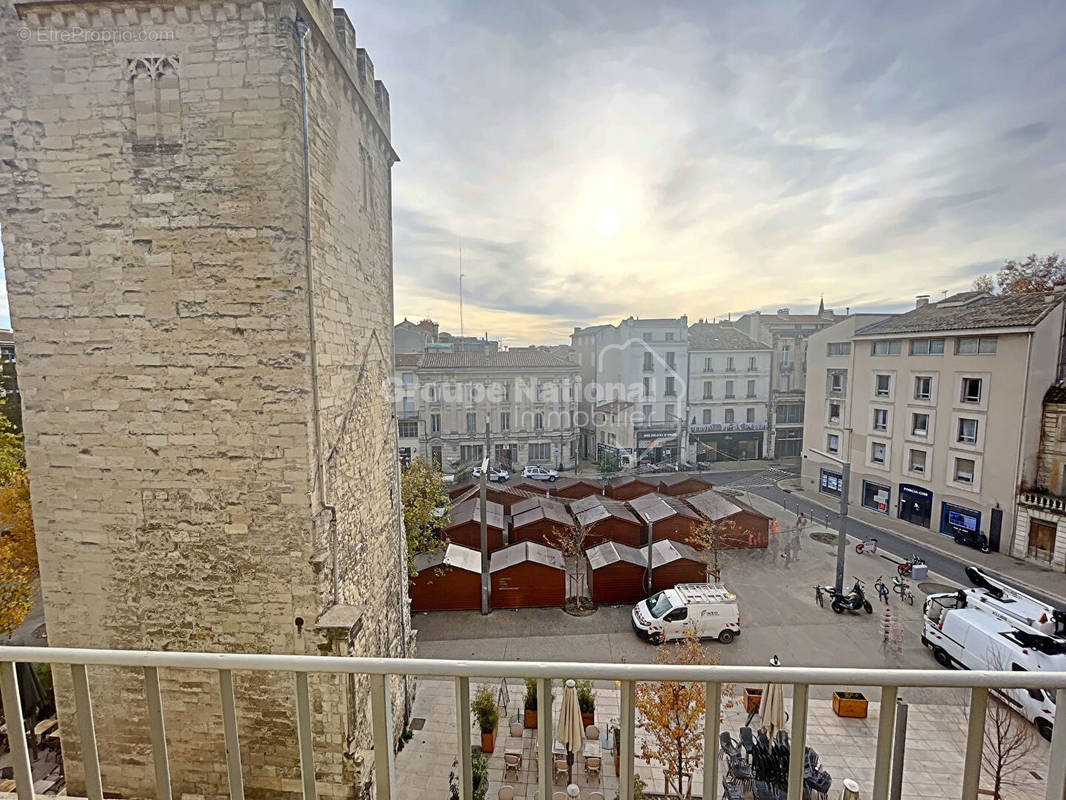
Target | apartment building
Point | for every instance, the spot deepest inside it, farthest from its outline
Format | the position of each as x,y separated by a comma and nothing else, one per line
528,397
786,334
643,362
728,393
1040,528
937,410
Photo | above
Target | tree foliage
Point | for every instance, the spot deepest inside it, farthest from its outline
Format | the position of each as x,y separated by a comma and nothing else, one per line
1031,274
672,715
713,537
425,509
570,541
18,547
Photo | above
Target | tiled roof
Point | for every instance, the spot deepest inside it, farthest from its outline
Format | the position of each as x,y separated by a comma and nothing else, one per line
408,359
504,359
708,336
1055,394
969,311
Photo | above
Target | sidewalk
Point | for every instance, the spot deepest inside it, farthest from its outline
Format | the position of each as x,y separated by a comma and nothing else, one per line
1023,573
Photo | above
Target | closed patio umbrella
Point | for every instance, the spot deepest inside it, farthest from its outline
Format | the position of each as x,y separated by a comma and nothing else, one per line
571,731
772,707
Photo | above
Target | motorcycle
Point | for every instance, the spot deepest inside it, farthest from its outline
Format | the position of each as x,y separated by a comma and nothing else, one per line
972,539
855,600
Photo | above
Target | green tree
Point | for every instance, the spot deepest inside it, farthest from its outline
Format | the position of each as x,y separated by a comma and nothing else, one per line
18,546
1031,274
425,509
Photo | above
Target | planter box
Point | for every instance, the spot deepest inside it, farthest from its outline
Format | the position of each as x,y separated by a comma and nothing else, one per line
850,704
588,719
529,718
488,742
752,699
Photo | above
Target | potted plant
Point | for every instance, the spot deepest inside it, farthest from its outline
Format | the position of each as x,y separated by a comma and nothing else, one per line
529,713
484,709
586,698
850,704
479,772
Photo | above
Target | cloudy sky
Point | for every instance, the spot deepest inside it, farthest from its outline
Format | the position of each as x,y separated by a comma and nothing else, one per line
599,159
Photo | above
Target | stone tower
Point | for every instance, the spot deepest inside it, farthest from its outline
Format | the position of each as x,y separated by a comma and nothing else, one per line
203,339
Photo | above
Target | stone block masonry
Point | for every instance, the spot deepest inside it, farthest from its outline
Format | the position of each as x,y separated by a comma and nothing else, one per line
173,370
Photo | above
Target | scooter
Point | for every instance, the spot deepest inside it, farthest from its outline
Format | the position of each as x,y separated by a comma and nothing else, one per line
855,600
972,539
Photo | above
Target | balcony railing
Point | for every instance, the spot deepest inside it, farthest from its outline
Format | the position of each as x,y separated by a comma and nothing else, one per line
1047,502
627,675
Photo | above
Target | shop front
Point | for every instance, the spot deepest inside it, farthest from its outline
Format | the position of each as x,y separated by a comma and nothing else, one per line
655,445
831,483
959,520
915,504
876,496
726,442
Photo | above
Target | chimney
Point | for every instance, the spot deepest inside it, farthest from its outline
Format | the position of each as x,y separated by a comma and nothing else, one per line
783,313
921,300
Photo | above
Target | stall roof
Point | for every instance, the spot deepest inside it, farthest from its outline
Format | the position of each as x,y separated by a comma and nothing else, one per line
667,551
681,477
713,505
603,555
544,509
470,511
628,479
451,556
654,507
526,551
596,507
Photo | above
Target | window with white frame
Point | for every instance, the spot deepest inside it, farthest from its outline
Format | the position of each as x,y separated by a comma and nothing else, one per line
647,387
670,362
670,390
649,362
967,431
888,347
883,385
708,364
976,345
832,443
505,420
880,419
708,390
538,421
539,451
838,349
471,452
669,337
786,355
877,452
471,423
916,461
432,394
836,382
707,416
834,411
647,413
752,363
927,347
671,411
923,387
729,388
434,423
729,363
750,415
751,388
971,390
919,424
729,415
408,428
964,469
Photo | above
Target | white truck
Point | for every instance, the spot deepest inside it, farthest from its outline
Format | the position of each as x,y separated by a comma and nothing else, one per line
996,627
708,609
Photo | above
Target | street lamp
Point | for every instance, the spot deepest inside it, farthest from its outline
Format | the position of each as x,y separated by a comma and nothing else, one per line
842,538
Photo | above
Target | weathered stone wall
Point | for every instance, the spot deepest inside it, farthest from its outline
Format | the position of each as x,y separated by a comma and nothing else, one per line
152,207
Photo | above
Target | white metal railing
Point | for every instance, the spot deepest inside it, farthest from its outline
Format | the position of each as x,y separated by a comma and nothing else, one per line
379,669
1045,501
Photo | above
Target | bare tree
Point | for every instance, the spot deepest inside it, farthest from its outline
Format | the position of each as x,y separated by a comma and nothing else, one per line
1031,274
712,537
570,541
1009,739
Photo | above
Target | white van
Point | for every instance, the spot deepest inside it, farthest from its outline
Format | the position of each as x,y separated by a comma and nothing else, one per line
964,632
709,609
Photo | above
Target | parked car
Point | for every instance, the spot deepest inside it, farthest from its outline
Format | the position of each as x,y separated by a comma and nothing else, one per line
495,473
540,473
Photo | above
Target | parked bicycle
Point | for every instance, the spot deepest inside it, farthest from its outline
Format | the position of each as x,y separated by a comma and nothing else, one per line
866,546
882,590
904,567
903,589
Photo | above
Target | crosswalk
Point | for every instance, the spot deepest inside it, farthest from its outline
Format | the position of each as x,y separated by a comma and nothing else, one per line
758,480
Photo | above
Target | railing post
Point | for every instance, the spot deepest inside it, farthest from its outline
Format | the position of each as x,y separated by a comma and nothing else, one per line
627,726
1056,775
229,729
885,732
975,743
381,709
303,735
16,730
712,717
797,741
157,733
462,726
545,756
90,757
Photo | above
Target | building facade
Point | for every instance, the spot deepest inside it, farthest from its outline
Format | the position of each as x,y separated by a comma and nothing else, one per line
786,334
527,396
201,355
643,362
939,409
728,394
1040,531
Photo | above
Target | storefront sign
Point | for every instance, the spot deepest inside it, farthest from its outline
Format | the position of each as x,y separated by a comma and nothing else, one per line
915,504
957,519
727,426
876,496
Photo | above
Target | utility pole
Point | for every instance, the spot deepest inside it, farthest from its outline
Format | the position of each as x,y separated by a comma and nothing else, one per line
842,536
648,582
486,586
